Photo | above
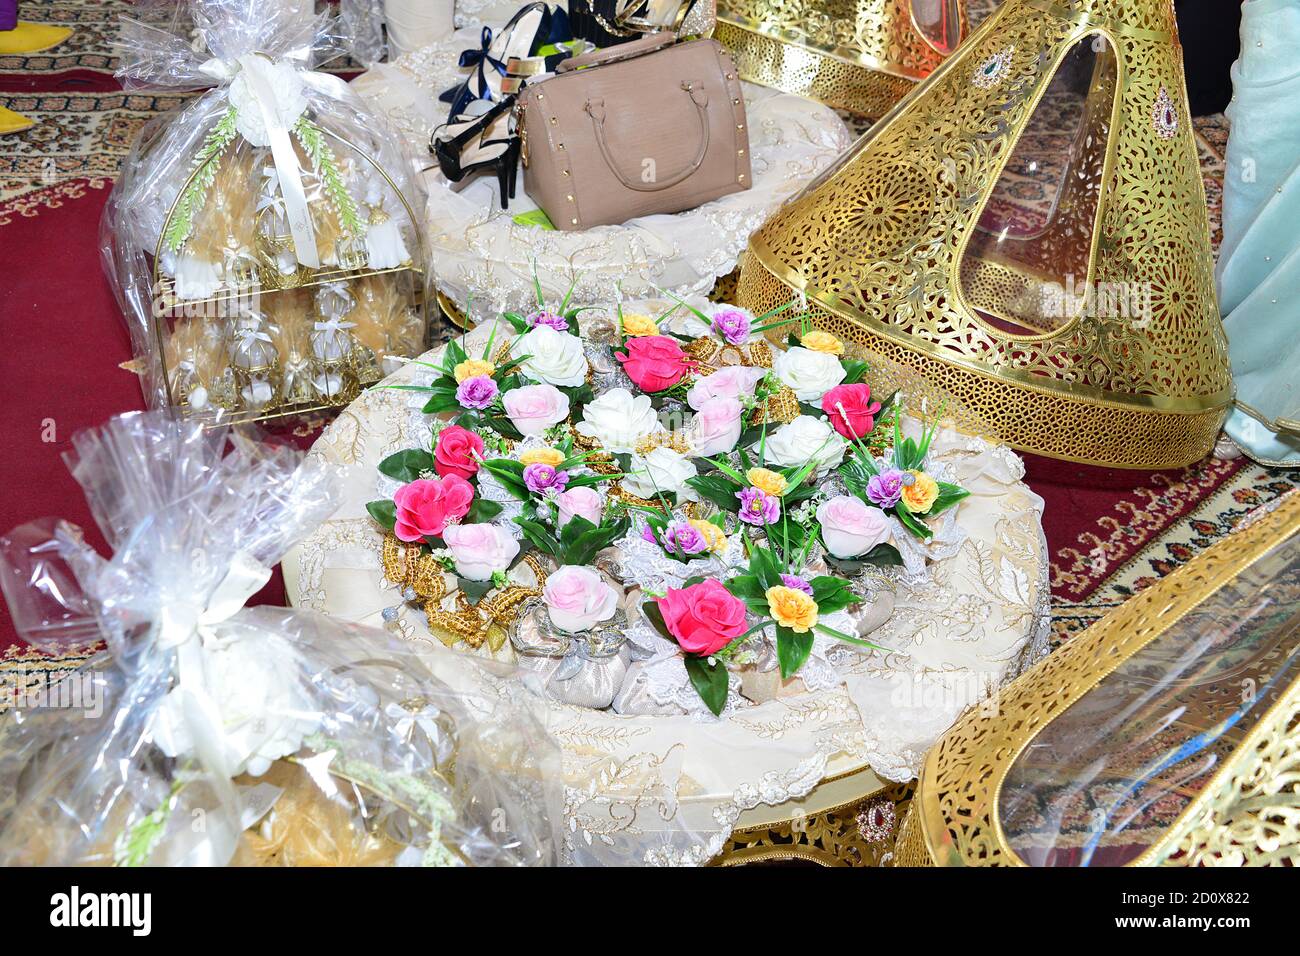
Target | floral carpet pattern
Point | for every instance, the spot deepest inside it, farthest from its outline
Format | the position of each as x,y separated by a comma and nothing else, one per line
1109,535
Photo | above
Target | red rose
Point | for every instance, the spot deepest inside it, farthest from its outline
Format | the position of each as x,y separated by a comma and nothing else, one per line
654,362
851,410
458,452
704,617
427,505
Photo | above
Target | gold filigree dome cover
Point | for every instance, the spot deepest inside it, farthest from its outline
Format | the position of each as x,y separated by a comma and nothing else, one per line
993,231
859,55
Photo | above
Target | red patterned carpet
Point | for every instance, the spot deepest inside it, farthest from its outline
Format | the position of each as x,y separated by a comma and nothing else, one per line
1110,533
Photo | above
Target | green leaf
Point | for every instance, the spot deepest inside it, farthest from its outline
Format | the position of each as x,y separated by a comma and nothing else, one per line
656,618
762,564
385,512
911,522
517,321
437,404
474,590
949,495
710,682
832,594
792,650
576,528
720,491
747,587
406,465
538,536
854,371
482,510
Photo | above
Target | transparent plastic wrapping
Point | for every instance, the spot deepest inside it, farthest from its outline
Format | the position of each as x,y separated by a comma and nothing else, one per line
245,224
212,734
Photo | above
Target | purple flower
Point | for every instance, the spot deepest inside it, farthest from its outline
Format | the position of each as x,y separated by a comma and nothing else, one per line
542,479
479,391
648,534
886,488
542,317
798,583
732,325
758,507
681,537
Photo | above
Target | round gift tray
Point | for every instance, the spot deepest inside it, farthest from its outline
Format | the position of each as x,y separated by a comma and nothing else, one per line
813,773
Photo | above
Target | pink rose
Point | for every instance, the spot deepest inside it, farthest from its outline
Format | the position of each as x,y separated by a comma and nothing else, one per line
458,452
535,408
578,598
704,617
426,506
850,527
582,502
716,427
850,409
480,550
734,381
654,362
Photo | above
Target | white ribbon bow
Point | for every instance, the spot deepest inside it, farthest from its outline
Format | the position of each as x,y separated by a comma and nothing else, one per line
404,720
334,325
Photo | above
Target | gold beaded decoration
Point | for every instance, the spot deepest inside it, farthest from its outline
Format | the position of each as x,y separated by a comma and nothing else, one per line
880,244
858,55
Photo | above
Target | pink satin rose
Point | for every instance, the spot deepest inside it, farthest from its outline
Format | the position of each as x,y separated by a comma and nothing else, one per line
704,618
582,502
733,381
654,362
578,598
426,506
480,550
458,452
716,427
850,527
535,408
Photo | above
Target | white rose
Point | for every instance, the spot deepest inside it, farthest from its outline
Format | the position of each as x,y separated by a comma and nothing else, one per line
733,381
578,598
811,374
805,439
553,357
263,709
287,87
661,471
617,420
480,550
850,527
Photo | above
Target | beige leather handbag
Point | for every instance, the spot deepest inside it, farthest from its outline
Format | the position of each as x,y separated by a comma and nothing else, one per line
646,127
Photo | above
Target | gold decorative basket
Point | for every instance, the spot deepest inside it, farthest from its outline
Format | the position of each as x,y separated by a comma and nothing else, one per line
1167,734
1027,230
858,55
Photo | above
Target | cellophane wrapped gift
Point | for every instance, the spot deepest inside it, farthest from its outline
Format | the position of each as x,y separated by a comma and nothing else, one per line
210,733
262,240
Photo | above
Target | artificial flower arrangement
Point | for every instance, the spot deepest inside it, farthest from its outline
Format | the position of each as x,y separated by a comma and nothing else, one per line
728,492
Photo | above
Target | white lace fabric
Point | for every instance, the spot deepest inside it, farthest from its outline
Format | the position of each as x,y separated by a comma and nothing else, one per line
668,789
483,260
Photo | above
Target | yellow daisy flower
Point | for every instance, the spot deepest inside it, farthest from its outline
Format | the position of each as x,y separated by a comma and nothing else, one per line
636,324
471,367
714,537
819,341
919,495
542,456
792,608
771,482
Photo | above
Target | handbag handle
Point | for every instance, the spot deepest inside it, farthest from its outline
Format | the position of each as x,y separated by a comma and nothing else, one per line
596,110
620,51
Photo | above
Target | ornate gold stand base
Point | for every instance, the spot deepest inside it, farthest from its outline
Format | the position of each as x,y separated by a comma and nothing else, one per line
824,828
792,68
1045,422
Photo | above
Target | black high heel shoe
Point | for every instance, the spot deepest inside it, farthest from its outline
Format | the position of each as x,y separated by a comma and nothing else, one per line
469,149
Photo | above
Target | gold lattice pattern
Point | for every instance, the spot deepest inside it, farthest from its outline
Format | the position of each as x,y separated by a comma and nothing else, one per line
877,244
1249,811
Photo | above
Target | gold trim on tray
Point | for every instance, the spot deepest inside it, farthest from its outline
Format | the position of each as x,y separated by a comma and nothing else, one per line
1245,813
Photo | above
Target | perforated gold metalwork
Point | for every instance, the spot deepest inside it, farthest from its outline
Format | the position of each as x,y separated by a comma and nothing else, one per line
1247,812
859,55
876,245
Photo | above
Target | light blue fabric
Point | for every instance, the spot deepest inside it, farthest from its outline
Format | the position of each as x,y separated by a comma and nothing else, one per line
1259,261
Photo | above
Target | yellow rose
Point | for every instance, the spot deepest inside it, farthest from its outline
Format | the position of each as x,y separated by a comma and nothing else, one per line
714,537
471,367
919,495
771,482
634,324
819,341
542,456
792,608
